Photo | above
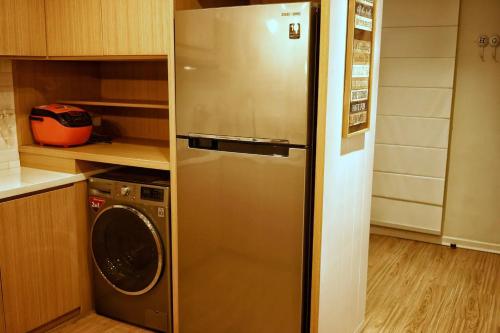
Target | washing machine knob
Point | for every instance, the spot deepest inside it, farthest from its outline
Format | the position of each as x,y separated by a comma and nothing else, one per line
125,191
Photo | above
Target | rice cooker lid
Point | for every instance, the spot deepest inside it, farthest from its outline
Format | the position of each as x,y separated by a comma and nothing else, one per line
66,115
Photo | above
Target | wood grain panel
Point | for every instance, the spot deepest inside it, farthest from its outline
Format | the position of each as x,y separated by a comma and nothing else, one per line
135,27
85,264
411,188
22,27
7,27
419,42
415,102
412,131
5,79
144,80
173,171
406,215
418,161
141,80
140,153
45,162
39,257
408,13
74,27
120,103
94,323
2,317
43,82
417,72
141,124
419,287
30,28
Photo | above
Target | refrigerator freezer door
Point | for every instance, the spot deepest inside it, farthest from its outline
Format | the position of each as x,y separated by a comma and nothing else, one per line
241,230
244,71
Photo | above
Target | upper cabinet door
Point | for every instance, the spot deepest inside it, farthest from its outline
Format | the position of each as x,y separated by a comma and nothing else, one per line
7,29
30,28
22,28
74,27
135,27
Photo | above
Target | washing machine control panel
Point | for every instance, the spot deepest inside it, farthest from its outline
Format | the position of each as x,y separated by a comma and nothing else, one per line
127,191
152,193
139,193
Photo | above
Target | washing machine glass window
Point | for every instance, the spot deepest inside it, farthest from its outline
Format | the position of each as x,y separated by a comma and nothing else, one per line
127,249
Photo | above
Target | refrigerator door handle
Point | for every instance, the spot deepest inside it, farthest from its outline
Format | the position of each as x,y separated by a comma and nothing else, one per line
239,145
238,138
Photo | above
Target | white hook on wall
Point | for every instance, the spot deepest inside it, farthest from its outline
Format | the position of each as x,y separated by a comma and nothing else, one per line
482,42
494,42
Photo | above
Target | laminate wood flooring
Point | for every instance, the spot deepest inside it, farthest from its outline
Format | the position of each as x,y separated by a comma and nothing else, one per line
412,287
421,287
94,323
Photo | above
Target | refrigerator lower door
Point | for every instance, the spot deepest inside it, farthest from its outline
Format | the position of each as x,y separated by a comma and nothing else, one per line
241,234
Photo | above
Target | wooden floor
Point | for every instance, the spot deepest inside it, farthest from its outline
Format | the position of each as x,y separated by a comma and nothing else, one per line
412,287
420,287
94,323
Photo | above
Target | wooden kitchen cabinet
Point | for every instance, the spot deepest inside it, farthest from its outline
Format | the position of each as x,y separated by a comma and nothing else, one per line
135,27
74,27
22,28
39,258
84,28
7,30
2,320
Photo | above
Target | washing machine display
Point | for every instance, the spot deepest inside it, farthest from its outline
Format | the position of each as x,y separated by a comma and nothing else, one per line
127,249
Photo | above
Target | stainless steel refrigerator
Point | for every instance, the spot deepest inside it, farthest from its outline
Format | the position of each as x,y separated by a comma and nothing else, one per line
245,100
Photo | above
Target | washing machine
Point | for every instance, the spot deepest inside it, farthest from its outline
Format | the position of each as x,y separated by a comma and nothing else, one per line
130,246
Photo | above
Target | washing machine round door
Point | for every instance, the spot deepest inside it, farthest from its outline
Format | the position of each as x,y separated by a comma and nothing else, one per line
127,249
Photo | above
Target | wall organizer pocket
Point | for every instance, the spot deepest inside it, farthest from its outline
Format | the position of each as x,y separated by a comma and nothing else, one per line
358,71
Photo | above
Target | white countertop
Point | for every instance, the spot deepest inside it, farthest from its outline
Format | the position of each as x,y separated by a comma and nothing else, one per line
19,181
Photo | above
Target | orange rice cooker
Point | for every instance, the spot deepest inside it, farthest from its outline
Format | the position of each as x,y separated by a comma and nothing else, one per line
60,125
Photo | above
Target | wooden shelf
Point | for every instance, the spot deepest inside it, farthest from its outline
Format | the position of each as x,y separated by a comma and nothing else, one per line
121,103
142,153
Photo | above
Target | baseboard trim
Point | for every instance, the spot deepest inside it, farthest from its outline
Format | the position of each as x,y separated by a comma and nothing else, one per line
405,227
435,239
405,234
471,244
57,322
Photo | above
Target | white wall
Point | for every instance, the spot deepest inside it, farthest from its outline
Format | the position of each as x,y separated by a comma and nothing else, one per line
347,193
415,99
472,210
9,157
